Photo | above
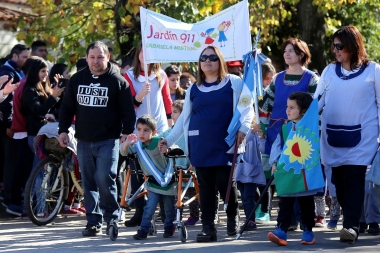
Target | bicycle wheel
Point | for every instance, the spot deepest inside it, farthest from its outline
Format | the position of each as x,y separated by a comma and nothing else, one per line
45,191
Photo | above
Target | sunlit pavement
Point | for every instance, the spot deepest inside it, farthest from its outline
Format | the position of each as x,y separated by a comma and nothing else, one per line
64,235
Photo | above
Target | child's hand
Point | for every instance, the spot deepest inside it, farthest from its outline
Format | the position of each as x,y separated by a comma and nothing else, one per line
260,133
162,144
131,139
274,168
163,148
191,167
256,128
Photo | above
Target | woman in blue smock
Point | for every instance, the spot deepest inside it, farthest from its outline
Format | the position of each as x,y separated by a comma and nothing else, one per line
208,110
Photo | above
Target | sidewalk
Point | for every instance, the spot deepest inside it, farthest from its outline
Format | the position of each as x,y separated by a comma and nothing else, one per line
64,235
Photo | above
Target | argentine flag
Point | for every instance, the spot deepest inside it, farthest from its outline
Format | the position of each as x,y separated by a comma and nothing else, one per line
252,87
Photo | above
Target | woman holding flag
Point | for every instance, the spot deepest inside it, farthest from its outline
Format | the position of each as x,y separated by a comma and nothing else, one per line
210,102
350,97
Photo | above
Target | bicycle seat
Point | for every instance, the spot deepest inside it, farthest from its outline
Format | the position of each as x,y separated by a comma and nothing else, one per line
176,153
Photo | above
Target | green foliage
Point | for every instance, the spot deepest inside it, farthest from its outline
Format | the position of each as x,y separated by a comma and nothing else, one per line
69,26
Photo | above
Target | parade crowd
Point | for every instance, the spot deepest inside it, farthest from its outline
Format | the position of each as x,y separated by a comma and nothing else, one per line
120,113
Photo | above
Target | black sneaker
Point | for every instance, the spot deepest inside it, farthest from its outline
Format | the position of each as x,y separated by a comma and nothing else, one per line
140,235
108,229
348,235
363,227
169,231
373,229
92,230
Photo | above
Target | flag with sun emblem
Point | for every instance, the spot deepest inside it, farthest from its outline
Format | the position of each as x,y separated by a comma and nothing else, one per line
299,167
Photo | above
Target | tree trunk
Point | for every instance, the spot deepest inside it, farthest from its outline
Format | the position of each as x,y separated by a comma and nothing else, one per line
125,47
312,30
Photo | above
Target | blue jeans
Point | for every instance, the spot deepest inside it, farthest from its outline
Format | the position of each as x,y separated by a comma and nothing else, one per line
98,165
371,212
247,192
150,208
40,207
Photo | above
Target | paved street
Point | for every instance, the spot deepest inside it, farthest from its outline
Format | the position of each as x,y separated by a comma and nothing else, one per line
64,235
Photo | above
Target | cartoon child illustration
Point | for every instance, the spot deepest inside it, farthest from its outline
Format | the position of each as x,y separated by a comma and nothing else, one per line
223,27
208,33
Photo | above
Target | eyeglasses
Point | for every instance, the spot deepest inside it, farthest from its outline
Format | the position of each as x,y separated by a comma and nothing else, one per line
338,46
211,57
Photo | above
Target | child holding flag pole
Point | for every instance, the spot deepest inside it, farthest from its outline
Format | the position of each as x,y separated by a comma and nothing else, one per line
296,166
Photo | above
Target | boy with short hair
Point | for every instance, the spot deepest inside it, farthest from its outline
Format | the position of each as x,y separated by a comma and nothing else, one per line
159,171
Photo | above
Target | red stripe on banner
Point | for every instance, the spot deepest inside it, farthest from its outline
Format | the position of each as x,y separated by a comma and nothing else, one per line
304,179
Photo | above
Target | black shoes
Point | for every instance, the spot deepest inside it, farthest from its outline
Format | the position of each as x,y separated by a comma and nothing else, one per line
233,225
136,219
208,234
92,230
373,229
140,235
169,231
349,235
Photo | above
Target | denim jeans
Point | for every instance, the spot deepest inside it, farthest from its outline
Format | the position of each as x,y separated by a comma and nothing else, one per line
150,208
247,192
371,212
36,159
98,165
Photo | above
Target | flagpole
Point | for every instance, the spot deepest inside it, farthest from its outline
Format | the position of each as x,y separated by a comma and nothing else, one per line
145,70
258,90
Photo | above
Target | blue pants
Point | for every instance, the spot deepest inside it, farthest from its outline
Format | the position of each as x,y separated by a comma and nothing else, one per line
150,208
247,192
371,212
98,165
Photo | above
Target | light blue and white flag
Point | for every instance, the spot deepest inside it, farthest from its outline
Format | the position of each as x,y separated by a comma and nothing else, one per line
162,179
252,87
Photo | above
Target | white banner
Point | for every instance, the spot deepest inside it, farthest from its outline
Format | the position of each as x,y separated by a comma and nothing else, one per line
169,40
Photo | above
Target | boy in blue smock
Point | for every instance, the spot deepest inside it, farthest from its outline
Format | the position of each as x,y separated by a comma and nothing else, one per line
158,169
297,105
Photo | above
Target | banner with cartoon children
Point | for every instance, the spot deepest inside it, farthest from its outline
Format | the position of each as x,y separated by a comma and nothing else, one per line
169,40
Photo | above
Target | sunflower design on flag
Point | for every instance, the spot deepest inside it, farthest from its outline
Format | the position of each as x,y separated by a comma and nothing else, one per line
299,168
299,149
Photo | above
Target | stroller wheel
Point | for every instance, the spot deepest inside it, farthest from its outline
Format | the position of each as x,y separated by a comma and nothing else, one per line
113,231
182,232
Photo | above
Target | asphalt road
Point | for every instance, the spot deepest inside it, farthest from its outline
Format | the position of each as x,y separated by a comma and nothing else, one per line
64,235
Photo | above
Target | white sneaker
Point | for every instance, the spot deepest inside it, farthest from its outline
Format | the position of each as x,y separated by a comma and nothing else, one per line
320,222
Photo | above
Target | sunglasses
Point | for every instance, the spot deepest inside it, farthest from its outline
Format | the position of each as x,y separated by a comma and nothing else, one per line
337,46
211,57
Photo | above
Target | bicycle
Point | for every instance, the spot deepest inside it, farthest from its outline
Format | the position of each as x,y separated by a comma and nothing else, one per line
48,185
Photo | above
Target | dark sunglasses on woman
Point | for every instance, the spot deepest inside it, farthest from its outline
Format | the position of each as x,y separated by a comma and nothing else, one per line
338,46
211,57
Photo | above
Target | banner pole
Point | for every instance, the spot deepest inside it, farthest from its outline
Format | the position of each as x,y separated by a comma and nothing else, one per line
145,67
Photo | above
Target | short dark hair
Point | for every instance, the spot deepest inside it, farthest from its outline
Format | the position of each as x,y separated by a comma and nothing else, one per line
57,68
38,43
178,104
172,70
303,100
98,44
148,120
300,47
81,63
126,61
17,49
